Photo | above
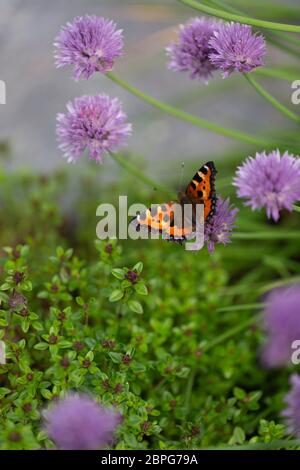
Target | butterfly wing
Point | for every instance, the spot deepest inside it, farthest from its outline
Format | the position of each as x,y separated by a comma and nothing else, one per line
160,218
201,189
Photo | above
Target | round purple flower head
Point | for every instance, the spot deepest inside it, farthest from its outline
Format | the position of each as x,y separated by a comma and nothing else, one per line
269,180
282,325
236,48
90,43
96,123
219,228
191,52
292,411
79,423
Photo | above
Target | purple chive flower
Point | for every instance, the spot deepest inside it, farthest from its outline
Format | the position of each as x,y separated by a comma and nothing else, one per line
282,325
96,123
191,52
292,411
269,180
236,48
90,43
219,228
80,423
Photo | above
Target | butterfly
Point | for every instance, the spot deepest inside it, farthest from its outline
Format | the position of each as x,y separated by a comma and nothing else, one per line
160,218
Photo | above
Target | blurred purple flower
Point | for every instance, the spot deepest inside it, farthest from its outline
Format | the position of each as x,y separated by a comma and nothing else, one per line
96,123
90,43
80,423
269,180
292,411
191,52
236,48
219,228
282,325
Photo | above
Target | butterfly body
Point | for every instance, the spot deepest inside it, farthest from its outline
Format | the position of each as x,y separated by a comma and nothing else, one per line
162,217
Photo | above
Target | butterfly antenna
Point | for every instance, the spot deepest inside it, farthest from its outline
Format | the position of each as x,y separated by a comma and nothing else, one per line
181,176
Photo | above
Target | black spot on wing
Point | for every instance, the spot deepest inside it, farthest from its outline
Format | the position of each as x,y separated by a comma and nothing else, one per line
198,178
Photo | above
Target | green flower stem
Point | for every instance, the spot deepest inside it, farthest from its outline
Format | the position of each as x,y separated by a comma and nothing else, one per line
133,170
296,208
234,308
290,39
279,235
196,121
270,98
284,36
277,444
281,283
229,333
290,74
241,19
188,391
283,47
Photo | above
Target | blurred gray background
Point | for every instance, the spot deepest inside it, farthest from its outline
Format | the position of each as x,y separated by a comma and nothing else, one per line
36,91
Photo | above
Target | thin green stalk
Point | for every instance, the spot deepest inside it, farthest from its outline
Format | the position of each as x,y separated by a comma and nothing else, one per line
289,74
279,235
229,333
128,166
241,19
283,47
282,282
188,391
224,6
296,208
196,121
234,308
270,98
290,39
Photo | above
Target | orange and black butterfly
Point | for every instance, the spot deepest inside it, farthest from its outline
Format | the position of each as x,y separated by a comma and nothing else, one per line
160,218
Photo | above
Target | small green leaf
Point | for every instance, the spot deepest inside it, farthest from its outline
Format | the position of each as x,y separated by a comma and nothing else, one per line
41,346
115,357
37,325
135,306
5,286
137,367
141,289
138,267
238,436
59,251
25,324
118,273
80,301
116,295
239,393
4,391
46,394
27,286
63,344
126,284
90,356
